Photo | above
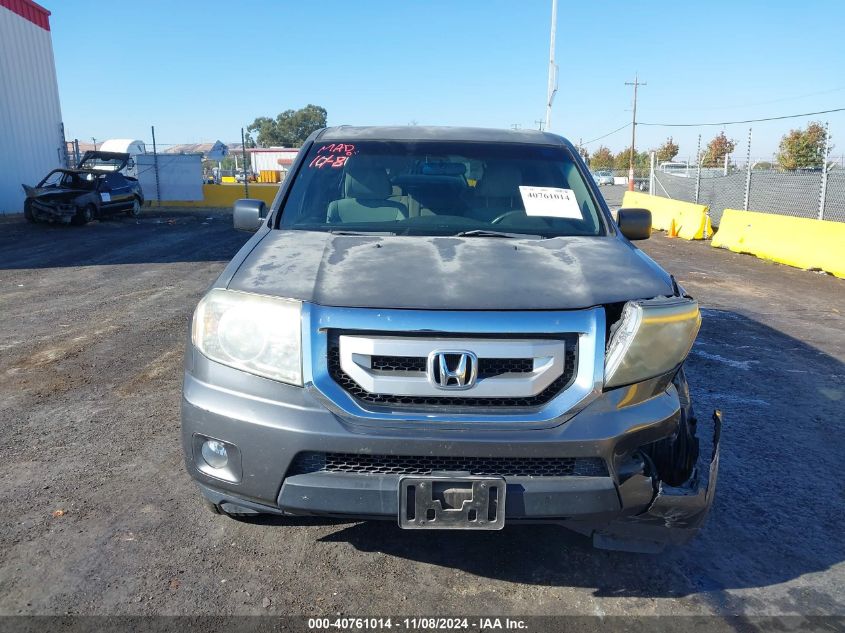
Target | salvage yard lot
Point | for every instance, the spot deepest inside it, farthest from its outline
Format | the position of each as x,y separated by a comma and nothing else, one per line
100,517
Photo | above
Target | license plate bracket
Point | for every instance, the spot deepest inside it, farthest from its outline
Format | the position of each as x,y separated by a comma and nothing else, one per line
446,502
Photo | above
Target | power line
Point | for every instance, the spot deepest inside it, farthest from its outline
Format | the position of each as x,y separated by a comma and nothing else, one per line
598,138
771,118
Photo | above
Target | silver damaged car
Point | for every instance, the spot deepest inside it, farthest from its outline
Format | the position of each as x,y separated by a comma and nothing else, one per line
445,328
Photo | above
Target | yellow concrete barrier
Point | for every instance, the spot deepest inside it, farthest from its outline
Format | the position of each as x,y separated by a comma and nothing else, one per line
269,175
800,242
691,220
225,195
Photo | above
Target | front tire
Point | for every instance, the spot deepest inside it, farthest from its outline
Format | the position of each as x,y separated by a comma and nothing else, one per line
135,211
84,215
28,215
675,457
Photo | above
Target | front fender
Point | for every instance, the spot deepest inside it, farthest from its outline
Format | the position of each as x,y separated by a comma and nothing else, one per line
677,513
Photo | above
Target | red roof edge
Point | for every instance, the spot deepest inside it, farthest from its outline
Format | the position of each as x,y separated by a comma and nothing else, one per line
29,10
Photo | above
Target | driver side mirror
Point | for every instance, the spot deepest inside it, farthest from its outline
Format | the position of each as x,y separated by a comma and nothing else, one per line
635,224
248,214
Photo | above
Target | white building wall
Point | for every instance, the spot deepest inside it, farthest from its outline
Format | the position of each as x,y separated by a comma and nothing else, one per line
270,159
31,142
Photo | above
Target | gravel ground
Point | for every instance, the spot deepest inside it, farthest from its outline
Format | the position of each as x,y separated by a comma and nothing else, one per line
99,516
613,194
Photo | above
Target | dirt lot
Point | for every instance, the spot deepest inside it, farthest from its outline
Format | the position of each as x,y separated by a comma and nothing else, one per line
98,515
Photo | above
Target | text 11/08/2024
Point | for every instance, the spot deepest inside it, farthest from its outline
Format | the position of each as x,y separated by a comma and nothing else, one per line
417,624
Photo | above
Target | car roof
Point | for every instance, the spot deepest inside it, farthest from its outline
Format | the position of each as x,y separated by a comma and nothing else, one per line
97,172
438,133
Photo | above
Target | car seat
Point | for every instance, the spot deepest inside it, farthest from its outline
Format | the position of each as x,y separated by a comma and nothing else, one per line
366,191
497,192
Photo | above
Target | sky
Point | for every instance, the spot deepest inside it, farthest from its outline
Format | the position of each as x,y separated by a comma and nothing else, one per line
200,70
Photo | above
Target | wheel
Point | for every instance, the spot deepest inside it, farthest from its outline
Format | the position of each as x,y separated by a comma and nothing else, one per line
84,215
135,211
27,212
675,457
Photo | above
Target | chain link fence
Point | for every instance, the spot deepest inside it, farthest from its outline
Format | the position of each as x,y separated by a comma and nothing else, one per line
817,193
785,193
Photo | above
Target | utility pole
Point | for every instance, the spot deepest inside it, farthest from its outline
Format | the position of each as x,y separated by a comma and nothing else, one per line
636,83
552,86
539,124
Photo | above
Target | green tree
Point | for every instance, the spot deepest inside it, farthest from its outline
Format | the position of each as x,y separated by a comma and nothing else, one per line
803,148
667,151
583,153
290,128
622,159
602,158
719,147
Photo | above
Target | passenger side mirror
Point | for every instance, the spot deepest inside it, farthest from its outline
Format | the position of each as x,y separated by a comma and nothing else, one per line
635,224
248,214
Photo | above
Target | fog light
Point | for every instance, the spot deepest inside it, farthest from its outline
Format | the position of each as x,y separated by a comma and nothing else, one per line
214,453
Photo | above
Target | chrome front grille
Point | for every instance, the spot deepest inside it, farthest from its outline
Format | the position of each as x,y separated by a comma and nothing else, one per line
311,462
486,366
400,370
522,369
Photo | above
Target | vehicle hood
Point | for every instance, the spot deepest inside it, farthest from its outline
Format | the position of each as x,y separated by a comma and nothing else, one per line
103,161
52,194
449,273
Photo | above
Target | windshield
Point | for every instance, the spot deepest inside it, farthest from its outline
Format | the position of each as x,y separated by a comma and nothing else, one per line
69,180
434,188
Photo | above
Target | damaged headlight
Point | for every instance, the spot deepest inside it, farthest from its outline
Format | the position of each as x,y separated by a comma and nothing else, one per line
258,334
650,339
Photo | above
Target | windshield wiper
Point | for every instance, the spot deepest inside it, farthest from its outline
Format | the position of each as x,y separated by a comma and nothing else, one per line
487,233
345,232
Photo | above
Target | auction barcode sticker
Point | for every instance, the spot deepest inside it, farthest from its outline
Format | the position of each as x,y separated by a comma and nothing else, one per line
550,202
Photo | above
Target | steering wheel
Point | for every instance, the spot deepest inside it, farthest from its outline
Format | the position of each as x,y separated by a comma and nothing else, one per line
498,219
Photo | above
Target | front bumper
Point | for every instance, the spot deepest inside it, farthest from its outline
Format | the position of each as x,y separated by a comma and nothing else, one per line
271,423
53,212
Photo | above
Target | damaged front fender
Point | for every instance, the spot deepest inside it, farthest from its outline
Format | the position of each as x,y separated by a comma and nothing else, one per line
676,513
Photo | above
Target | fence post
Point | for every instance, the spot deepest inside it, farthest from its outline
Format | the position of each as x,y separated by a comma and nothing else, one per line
155,166
246,174
698,170
747,173
652,158
823,192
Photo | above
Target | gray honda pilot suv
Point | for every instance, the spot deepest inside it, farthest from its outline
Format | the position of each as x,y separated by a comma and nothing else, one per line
446,328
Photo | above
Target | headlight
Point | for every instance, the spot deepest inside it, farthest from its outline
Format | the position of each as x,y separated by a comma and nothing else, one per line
258,334
652,338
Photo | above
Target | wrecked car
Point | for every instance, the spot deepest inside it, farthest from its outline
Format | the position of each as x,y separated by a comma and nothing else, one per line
445,328
94,189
